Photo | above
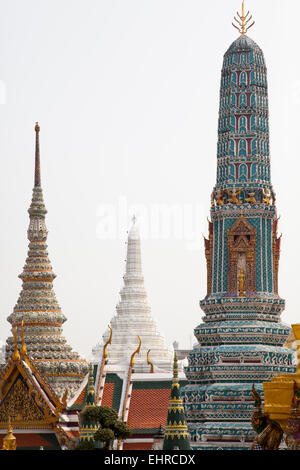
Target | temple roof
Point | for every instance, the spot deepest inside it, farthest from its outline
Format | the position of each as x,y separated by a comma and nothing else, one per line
148,408
148,404
28,400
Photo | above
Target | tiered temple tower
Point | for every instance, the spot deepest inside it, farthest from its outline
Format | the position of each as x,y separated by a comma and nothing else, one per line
176,431
38,308
87,429
241,339
134,318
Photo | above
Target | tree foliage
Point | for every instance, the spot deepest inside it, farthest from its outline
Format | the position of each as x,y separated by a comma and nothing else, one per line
110,428
104,435
85,445
121,430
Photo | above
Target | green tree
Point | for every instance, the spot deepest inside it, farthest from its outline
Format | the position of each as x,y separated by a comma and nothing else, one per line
110,427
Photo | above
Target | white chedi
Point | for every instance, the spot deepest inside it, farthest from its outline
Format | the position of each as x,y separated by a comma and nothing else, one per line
134,319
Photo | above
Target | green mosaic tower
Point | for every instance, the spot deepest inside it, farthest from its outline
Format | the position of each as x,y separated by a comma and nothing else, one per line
88,427
241,339
176,431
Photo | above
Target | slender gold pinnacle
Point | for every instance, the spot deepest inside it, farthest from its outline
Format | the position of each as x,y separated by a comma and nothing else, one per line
16,355
243,21
23,350
149,362
105,353
135,352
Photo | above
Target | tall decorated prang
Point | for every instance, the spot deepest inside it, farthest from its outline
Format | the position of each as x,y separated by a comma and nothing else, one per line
241,339
37,306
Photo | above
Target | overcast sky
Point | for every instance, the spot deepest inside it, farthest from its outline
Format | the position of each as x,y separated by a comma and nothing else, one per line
126,93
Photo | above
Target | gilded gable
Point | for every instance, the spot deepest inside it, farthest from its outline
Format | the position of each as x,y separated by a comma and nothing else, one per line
21,407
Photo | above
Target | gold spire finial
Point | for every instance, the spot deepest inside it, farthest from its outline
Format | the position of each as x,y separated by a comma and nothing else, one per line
243,21
105,354
149,362
23,349
135,352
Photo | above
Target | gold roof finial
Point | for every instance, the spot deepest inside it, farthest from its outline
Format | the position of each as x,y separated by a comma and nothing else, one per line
135,352
16,355
105,354
149,362
243,21
23,349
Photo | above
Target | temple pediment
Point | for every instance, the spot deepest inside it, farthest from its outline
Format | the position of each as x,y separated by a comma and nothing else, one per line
26,399
19,405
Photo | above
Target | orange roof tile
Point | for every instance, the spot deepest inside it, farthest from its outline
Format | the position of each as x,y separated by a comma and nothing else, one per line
137,446
148,408
108,394
29,440
80,398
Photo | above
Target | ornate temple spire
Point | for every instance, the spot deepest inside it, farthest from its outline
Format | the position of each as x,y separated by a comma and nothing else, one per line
242,255
134,259
90,395
87,427
176,431
134,317
37,308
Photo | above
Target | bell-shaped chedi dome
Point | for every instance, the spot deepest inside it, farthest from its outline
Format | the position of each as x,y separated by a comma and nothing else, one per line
37,305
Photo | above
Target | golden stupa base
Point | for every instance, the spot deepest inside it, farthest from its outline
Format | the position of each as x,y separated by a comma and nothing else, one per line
278,397
279,392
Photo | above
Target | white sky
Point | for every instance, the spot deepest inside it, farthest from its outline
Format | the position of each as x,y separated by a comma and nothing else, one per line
126,94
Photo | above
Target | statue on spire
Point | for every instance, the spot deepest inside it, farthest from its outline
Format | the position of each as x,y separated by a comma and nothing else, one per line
243,21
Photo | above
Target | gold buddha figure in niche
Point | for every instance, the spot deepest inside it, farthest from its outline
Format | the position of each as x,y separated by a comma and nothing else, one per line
241,283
